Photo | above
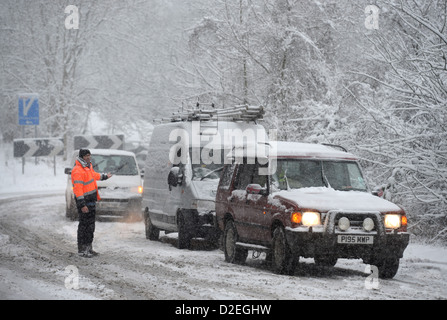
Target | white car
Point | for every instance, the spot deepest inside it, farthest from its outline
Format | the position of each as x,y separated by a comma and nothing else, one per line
121,194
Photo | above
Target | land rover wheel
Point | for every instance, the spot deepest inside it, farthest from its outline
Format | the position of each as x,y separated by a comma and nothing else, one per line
283,261
152,232
233,254
388,267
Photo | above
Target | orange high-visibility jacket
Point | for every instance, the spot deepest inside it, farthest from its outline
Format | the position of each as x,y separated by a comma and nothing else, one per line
83,178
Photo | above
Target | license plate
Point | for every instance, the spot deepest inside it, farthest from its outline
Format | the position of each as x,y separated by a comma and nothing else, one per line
355,239
110,205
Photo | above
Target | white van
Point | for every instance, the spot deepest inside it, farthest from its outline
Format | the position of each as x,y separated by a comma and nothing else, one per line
182,171
121,194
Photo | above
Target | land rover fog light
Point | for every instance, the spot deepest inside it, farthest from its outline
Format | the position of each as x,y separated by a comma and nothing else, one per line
368,224
392,221
344,224
310,218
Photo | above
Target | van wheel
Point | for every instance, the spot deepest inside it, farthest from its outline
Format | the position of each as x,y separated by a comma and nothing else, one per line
184,233
283,261
233,254
152,232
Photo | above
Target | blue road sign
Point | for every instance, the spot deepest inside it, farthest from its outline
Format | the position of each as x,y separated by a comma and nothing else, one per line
28,109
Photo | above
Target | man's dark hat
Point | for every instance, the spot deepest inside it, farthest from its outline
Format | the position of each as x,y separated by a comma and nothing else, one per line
83,152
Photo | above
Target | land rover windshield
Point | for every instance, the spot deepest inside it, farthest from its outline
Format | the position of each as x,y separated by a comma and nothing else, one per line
303,173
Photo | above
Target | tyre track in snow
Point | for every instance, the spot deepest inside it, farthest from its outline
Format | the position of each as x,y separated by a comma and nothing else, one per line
44,250
33,252
38,243
115,274
38,253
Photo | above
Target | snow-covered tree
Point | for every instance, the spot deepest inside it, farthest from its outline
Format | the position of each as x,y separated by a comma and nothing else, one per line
405,106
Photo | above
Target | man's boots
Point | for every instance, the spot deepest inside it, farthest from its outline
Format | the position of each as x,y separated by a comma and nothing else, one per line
91,251
85,252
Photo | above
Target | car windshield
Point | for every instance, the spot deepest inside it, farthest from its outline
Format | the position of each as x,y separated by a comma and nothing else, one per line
298,173
206,165
119,165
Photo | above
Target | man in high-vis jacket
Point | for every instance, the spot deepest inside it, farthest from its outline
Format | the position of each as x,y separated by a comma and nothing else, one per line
85,190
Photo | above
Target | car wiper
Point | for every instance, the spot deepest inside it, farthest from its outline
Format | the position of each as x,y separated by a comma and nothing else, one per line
324,178
119,168
211,172
95,166
287,181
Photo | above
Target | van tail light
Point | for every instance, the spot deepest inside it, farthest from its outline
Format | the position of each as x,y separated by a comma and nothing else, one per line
140,189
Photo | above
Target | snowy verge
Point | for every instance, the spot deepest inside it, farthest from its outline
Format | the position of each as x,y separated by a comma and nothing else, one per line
39,176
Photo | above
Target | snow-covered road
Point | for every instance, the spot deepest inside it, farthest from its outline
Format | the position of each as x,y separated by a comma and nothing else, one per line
38,261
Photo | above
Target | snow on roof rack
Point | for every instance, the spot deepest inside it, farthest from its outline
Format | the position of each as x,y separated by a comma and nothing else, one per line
335,146
237,113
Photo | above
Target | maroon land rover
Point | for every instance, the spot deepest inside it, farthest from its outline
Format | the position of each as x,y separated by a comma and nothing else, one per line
313,202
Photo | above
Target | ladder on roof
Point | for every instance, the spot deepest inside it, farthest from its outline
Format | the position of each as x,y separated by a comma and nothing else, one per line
237,113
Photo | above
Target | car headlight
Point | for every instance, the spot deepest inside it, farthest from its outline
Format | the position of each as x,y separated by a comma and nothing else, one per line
310,218
138,190
392,221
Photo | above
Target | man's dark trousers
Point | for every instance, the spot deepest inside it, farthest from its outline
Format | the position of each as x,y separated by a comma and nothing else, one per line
86,227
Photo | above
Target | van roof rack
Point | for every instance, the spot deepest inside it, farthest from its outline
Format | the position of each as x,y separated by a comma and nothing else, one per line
209,112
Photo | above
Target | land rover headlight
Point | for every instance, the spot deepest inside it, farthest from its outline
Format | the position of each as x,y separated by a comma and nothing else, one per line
392,221
310,218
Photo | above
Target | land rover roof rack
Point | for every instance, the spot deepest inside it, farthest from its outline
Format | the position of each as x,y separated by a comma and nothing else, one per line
208,112
335,146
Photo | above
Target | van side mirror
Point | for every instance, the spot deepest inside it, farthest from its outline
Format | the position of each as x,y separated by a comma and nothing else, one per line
255,188
67,170
174,177
378,192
